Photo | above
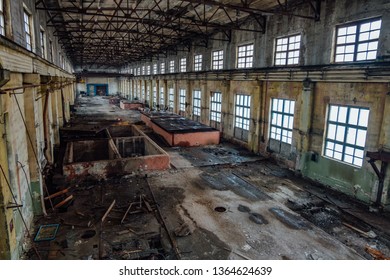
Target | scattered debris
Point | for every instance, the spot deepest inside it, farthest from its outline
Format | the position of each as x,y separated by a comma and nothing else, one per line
128,210
236,253
183,230
46,232
122,232
376,254
62,203
57,194
108,211
146,203
368,234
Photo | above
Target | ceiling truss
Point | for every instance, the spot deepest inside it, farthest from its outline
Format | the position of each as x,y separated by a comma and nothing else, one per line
113,33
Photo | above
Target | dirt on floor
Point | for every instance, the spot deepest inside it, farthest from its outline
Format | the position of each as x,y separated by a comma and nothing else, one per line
215,202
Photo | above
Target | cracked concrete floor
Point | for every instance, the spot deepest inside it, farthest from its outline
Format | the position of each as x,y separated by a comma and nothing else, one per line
216,202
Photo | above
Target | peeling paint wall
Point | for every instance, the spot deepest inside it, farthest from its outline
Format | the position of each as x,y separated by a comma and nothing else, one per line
30,117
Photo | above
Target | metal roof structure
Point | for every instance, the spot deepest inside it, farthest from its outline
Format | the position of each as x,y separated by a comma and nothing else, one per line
113,33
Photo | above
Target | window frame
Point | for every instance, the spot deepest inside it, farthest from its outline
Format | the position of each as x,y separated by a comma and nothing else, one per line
198,59
147,93
162,98
162,68
42,35
358,24
155,71
246,60
183,64
344,142
143,93
2,18
171,97
242,115
217,58
154,95
197,102
288,50
286,130
28,34
216,106
182,99
172,66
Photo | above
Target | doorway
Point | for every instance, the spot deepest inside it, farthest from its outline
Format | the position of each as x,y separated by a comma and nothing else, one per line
97,89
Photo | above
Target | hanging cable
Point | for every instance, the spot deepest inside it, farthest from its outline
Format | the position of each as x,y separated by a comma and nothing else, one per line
36,157
20,212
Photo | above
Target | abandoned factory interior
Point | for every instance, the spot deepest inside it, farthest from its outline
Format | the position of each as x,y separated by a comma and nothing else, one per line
194,129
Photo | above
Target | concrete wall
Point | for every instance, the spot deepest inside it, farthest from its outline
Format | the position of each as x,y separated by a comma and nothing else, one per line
30,118
15,31
30,121
113,84
314,84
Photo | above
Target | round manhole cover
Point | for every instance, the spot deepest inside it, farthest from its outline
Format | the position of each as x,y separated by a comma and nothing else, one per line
220,209
88,234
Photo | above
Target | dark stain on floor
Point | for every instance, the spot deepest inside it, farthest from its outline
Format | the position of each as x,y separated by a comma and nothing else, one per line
223,181
289,219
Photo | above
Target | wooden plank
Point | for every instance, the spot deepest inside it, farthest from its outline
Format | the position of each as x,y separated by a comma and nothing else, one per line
127,211
57,194
66,200
108,210
368,234
147,204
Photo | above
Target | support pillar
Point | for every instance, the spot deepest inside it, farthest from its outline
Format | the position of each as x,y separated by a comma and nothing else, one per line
305,117
34,131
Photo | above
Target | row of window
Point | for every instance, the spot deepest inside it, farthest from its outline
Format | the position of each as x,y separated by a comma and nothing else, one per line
357,41
346,129
46,51
346,126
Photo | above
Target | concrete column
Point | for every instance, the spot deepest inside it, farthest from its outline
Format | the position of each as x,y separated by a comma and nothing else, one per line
176,97
67,95
227,120
131,89
145,84
47,118
17,158
139,89
6,215
256,115
166,95
204,103
32,117
57,117
157,94
305,117
150,91
189,99
384,141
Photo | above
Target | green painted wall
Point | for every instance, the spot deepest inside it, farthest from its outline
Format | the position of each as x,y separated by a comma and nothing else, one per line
356,182
36,202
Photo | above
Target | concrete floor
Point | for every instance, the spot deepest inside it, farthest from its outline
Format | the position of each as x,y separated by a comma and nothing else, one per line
216,202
